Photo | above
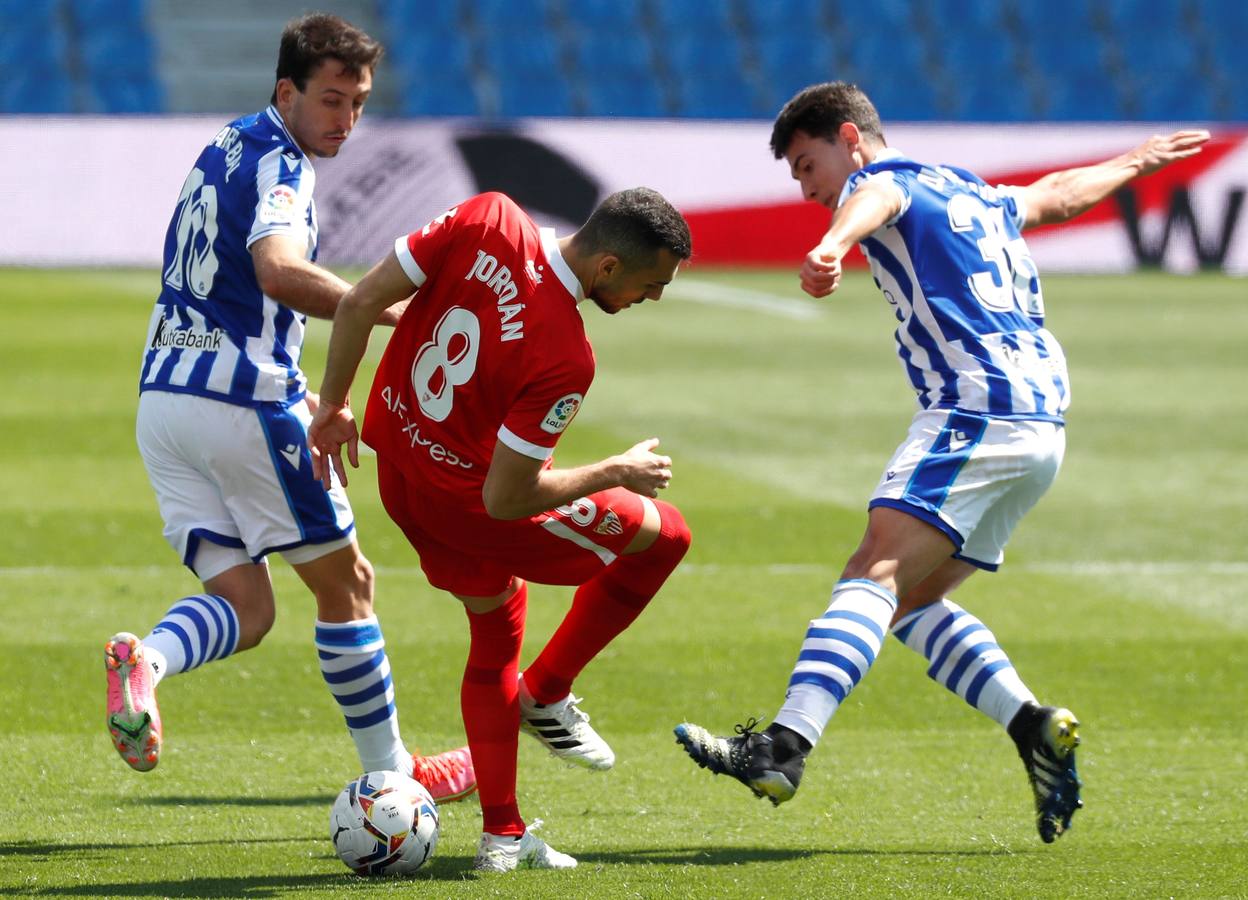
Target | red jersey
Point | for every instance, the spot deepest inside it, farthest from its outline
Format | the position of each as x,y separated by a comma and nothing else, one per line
491,348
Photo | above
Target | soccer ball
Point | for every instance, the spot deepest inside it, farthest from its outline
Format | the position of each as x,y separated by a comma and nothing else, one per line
384,823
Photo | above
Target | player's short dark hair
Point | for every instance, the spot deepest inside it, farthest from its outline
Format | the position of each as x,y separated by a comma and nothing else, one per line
820,110
310,40
634,225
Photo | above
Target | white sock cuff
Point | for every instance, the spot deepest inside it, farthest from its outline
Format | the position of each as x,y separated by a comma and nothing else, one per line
355,637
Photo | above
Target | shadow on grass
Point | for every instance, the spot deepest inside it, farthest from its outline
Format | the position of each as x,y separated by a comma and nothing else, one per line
438,869
306,800
727,856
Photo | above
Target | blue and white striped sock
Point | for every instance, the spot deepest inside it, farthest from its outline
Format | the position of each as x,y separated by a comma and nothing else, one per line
194,631
355,666
839,648
965,658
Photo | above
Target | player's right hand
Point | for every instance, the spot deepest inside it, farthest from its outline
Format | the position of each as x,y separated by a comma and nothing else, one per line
821,272
1162,149
644,471
331,427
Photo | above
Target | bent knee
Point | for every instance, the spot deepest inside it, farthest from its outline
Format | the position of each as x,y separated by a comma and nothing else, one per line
674,532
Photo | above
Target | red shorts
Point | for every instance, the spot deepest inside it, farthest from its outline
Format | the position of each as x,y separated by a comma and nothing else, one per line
467,552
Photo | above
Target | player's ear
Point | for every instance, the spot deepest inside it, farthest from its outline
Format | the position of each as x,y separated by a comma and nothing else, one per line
285,92
849,133
608,265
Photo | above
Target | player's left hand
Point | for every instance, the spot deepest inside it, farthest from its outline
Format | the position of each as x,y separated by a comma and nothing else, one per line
331,427
821,272
1162,149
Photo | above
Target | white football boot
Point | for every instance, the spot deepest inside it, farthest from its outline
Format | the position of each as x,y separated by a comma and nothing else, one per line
564,730
498,853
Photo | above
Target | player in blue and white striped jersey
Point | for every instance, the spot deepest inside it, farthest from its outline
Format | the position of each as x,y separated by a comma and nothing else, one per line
947,252
224,410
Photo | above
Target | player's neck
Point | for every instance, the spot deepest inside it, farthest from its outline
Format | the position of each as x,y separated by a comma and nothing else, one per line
582,268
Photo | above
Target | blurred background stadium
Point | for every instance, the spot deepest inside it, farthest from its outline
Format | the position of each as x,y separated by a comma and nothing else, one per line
936,60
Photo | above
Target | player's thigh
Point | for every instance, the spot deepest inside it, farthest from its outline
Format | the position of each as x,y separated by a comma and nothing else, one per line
1033,456
954,469
191,505
264,472
573,543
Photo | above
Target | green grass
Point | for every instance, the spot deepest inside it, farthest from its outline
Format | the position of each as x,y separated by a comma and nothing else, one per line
1122,597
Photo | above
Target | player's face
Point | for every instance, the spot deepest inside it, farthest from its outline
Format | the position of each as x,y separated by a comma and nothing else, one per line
321,116
616,286
822,167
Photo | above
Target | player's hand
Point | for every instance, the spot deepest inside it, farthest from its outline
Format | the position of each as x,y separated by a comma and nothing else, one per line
644,471
1162,149
331,427
821,272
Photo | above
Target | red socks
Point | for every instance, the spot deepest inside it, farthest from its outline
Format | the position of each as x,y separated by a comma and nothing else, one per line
604,606
491,709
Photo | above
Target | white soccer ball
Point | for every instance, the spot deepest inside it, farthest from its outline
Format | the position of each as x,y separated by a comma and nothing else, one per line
384,823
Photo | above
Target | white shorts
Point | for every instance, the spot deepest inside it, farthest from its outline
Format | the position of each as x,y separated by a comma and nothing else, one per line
971,476
234,483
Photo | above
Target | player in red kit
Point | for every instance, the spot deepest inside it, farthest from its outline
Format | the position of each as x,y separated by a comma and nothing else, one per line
487,367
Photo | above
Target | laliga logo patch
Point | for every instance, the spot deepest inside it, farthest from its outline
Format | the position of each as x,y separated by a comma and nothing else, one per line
278,205
561,413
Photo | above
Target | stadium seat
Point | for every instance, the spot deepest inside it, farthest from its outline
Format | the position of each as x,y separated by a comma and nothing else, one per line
624,96
611,14
765,17
791,61
692,16
33,51
445,96
522,18
725,96
533,95
118,55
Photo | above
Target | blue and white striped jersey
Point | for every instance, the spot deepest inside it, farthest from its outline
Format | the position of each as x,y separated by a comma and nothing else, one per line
958,274
214,332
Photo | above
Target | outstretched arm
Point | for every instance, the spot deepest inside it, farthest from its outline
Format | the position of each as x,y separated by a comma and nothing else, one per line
517,486
333,425
869,207
1063,195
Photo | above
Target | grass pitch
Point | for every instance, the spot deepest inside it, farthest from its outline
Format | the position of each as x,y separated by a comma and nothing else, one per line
1122,597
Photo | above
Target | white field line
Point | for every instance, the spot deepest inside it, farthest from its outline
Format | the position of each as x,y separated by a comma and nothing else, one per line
714,293
1088,568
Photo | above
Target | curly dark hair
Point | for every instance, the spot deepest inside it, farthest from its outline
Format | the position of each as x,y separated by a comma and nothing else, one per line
634,225
310,40
820,110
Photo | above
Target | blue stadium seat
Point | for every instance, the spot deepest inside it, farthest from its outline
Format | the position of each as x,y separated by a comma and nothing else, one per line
522,17
902,99
1071,100
899,53
595,52
992,100
33,92
625,96
790,62
445,96
725,96
702,52
33,50
537,56
408,17
530,95
790,17
612,13
684,16
118,55
429,52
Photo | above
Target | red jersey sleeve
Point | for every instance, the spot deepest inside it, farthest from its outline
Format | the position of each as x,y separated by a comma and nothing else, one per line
423,251
545,408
